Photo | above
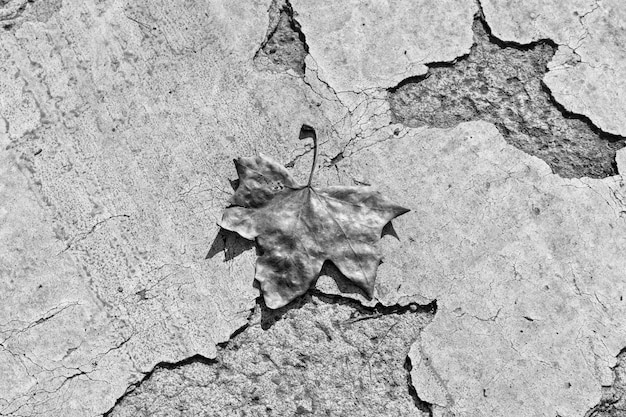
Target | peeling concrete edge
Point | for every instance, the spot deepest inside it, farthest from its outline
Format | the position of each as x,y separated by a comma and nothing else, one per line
607,400
367,312
417,401
499,42
161,365
567,114
196,358
620,161
480,14
380,309
609,137
293,23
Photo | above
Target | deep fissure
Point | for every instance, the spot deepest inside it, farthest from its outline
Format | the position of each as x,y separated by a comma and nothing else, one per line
306,357
613,400
285,45
501,82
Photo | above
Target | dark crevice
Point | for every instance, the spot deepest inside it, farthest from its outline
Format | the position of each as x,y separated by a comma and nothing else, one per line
419,78
613,400
378,309
480,16
336,159
419,403
294,25
317,332
6,20
195,359
502,82
157,367
285,45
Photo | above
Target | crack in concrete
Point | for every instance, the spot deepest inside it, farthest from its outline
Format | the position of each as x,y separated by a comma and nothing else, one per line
286,48
50,378
285,45
501,82
53,312
613,400
278,359
83,235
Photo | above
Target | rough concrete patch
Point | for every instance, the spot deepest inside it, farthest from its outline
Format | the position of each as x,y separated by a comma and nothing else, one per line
285,46
502,83
592,33
613,401
318,356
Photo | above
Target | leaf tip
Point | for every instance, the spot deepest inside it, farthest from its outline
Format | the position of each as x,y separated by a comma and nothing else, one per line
402,210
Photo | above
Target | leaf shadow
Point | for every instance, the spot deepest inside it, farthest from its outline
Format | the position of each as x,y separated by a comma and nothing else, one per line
230,243
344,285
269,316
388,230
233,245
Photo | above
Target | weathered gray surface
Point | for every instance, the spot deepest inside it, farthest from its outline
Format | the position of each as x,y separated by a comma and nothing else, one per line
319,357
119,123
503,85
613,401
354,52
587,74
117,140
527,269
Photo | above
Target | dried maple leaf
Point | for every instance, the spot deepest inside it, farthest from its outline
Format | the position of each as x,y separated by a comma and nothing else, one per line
298,227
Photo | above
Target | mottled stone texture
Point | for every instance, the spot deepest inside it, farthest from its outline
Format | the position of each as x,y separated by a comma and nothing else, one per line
285,47
586,75
503,84
613,402
118,124
317,357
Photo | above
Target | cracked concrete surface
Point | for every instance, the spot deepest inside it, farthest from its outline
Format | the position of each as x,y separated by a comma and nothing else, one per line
285,46
586,73
321,356
502,84
356,53
613,402
118,125
527,269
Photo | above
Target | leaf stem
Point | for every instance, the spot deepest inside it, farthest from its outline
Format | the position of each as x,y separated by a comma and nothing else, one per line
307,131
